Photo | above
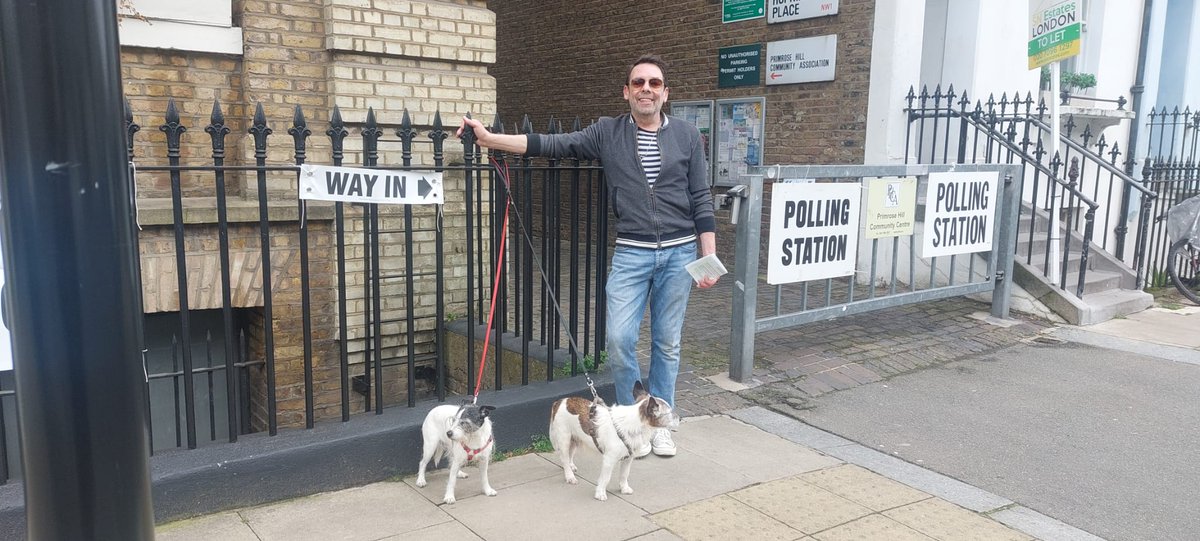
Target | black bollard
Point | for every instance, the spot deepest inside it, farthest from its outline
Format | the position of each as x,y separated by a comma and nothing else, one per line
70,261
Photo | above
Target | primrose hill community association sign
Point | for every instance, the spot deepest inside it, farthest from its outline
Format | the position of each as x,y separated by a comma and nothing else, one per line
959,213
802,60
813,231
357,185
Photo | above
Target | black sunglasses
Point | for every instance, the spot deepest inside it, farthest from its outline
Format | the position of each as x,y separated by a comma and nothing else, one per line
655,83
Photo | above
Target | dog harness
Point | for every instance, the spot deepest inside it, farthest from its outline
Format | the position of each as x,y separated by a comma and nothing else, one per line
472,453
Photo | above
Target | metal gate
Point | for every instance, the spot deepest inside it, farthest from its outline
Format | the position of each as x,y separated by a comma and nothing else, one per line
887,271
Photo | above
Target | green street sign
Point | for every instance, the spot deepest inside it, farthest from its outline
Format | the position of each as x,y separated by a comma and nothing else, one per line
733,11
739,66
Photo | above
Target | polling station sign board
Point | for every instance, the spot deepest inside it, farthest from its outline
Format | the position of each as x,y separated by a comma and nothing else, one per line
813,231
357,185
780,11
960,211
802,60
891,207
1055,31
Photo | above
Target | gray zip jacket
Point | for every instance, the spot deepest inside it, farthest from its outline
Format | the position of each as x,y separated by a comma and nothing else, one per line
677,206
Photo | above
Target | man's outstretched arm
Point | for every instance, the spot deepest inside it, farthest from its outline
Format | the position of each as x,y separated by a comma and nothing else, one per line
516,144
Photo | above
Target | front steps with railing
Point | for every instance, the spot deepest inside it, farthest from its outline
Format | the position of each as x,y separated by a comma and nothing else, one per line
1109,287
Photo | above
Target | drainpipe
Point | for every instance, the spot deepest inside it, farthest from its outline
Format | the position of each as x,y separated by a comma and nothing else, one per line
1136,90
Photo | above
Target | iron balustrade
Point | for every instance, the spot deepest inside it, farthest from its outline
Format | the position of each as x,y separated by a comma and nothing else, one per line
1173,171
1016,130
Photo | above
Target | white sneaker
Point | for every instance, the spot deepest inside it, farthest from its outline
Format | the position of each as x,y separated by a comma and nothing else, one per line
662,444
642,451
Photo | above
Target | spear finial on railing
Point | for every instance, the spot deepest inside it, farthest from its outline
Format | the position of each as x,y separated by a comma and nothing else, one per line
299,132
217,130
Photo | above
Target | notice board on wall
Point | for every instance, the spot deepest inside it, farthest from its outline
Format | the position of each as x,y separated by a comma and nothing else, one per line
700,114
739,145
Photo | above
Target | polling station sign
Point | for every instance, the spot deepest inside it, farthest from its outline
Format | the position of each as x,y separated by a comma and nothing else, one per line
813,231
356,185
960,210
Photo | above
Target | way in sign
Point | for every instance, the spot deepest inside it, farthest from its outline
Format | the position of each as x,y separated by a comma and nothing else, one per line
364,185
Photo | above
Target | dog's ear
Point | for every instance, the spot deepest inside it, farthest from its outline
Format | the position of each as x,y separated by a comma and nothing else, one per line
484,411
638,391
652,408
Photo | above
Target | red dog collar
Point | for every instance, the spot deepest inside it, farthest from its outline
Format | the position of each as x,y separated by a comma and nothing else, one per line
472,453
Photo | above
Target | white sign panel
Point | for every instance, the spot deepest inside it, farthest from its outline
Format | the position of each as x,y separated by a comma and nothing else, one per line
801,60
779,11
813,231
959,213
357,185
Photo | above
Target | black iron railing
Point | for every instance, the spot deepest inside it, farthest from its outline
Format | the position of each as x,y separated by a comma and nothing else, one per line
947,127
361,325
1172,171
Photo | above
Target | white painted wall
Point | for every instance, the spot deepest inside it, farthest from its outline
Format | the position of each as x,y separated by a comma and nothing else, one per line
205,26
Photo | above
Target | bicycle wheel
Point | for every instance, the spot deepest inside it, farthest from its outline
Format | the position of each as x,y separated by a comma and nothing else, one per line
1183,266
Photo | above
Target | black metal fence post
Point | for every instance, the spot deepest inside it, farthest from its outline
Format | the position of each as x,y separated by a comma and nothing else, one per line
72,290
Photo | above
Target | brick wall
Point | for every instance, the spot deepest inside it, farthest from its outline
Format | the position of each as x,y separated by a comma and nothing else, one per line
390,55
570,59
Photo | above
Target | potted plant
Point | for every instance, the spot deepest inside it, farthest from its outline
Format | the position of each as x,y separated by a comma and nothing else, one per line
1069,81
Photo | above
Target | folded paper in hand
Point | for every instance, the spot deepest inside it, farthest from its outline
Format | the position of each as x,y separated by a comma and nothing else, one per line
706,267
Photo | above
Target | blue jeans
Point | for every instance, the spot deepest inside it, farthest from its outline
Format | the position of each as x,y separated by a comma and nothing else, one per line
639,275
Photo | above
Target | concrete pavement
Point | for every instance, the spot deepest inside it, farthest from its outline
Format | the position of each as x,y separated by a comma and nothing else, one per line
747,469
752,475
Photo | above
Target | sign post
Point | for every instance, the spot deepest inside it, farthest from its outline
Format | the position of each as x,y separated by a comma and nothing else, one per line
72,291
1055,30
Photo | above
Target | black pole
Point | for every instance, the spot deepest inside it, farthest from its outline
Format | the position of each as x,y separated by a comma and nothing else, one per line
72,292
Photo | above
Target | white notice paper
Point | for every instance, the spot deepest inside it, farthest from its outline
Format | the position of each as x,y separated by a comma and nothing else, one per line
706,267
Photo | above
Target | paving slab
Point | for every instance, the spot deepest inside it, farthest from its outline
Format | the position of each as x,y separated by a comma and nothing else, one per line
864,487
363,513
945,521
801,505
550,509
722,518
225,526
502,475
659,483
747,449
439,532
920,478
658,535
1042,526
1156,325
872,527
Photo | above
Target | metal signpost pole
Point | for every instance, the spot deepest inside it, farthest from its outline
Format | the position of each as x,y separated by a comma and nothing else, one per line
71,291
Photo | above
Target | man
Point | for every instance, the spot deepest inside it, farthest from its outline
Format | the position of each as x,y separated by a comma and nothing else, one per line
658,184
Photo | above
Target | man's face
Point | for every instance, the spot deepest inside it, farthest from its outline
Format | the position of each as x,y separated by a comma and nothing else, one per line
646,90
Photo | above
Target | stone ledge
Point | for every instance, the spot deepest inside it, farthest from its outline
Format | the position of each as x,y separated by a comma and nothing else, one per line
203,210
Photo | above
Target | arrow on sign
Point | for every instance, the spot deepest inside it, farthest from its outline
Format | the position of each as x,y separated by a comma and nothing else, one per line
776,75
424,187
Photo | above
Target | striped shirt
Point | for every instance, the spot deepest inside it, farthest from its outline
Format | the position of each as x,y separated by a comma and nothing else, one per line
648,152
651,159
